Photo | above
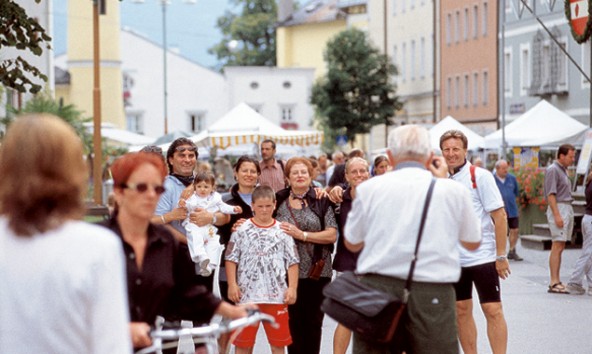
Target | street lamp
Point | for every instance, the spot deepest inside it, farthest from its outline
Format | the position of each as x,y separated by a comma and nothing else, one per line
165,93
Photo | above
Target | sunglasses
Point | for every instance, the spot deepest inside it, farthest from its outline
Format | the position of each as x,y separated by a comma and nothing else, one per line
184,148
143,187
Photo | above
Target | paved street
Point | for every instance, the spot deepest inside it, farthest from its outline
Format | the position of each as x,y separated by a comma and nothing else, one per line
538,322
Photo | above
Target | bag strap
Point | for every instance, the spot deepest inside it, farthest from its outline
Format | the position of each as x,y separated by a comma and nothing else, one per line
473,179
424,213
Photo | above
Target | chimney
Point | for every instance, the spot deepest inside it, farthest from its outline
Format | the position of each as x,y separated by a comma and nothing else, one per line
285,9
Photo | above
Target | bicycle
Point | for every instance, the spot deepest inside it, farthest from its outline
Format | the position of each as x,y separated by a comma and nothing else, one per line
207,335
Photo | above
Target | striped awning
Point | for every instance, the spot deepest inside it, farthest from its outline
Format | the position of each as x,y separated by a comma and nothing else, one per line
300,138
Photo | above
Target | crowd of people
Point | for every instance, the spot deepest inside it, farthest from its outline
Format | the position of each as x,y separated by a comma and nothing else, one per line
174,247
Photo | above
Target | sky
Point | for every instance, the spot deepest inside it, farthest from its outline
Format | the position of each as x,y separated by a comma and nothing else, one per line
190,27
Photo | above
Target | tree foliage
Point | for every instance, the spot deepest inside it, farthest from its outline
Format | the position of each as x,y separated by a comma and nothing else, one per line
248,39
44,103
22,32
357,92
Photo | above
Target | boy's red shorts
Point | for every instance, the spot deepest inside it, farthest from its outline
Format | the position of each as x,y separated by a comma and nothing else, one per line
278,337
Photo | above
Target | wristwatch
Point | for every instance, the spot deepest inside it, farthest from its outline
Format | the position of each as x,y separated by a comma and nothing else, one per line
501,258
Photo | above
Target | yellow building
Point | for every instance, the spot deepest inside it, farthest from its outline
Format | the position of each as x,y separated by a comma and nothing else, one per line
79,89
302,35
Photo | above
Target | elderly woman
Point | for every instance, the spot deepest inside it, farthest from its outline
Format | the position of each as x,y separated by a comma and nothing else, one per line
356,172
62,280
161,278
311,222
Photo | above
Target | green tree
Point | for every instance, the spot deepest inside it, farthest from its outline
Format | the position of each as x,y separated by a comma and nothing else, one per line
44,103
19,30
248,39
357,92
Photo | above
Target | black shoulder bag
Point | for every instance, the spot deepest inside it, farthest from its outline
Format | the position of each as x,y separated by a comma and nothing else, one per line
369,312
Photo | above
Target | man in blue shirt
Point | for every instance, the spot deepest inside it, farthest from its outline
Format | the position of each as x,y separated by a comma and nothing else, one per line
508,187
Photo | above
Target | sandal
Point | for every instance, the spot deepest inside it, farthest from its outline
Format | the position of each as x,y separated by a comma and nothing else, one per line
557,288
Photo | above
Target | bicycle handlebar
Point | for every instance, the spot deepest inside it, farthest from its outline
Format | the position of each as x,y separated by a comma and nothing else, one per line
213,330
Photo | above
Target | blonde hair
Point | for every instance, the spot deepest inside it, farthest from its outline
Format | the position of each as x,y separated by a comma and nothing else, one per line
43,174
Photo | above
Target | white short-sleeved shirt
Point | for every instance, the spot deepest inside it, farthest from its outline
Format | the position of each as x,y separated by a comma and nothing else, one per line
63,291
263,256
386,214
486,198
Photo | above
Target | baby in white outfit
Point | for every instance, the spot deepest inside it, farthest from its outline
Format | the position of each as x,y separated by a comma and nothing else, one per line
204,241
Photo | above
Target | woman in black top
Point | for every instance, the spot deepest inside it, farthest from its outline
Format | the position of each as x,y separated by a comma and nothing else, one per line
246,173
160,273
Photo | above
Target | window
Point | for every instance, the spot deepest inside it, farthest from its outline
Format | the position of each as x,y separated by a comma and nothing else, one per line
561,66
134,122
524,69
394,7
197,121
466,91
456,91
585,47
549,65
287,113
412,62
508,75
448,29
485,88
485,22
475,21
475,89
466,25
395,58
457,27
404,61
422,58
449,93
402,5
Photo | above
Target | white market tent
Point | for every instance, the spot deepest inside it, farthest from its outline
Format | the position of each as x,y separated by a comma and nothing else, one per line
542,125
243,125
120,136
242,129
476,141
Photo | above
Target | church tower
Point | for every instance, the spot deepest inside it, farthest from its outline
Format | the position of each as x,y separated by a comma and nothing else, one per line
80,60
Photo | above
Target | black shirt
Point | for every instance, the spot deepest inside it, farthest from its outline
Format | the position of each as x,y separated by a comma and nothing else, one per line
166,283
344,259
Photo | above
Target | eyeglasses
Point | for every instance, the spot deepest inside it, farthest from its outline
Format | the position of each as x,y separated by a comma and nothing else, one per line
185,148
143,187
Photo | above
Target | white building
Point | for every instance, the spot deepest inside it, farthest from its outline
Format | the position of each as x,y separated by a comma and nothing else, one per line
197,96
281,95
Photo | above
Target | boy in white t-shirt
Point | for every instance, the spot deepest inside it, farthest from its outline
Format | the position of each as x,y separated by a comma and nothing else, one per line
258,257
204,241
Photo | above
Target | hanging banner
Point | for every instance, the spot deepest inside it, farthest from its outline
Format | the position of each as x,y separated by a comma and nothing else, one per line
578,15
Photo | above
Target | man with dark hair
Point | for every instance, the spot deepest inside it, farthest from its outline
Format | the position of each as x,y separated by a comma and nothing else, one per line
181,159
560,214
272,170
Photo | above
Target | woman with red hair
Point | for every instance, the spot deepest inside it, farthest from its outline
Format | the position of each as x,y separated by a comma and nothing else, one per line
160,274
